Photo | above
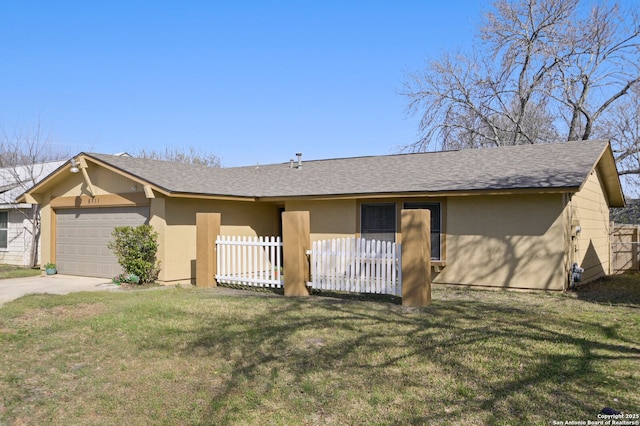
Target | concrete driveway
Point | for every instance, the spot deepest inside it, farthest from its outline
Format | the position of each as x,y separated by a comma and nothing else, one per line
13,288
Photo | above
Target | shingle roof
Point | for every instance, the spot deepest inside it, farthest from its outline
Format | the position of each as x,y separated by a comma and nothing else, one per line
551,166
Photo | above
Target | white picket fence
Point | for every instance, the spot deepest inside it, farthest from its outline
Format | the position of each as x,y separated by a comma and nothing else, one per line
356,265
250,261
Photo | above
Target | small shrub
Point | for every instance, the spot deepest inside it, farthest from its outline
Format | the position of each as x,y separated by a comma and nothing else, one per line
136,250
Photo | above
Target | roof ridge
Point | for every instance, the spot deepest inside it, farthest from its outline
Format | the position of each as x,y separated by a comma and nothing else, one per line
360,157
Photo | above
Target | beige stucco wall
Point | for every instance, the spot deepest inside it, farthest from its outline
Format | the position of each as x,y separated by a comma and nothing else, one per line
103,182
501,241
589,210
514,241
158,222
177,253
329,219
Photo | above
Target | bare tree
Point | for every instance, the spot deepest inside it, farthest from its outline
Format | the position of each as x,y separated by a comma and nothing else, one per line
621,125
180,155
602,68
25,147
24,160
544,71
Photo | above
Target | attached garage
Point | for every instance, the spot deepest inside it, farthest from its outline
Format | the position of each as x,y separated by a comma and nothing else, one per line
82,236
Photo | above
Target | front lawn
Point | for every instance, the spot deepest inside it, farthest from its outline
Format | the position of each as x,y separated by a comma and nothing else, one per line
197,356
11,271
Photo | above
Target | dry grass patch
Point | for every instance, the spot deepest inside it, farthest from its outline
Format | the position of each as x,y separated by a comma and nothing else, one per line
187,356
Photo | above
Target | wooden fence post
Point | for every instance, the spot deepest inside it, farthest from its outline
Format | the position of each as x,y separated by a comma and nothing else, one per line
296,236
415,226
207,230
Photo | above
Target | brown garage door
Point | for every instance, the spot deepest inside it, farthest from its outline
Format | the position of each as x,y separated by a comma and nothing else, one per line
82,236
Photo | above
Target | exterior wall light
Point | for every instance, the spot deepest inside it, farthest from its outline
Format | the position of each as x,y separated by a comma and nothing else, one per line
80,165
74,166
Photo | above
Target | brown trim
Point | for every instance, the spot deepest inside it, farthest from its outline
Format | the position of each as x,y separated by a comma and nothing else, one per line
207,230
121,172
608,177
211,197
134,199
53,236
148,191
165,191
426,194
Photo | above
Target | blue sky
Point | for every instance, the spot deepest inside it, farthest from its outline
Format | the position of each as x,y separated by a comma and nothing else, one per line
253,82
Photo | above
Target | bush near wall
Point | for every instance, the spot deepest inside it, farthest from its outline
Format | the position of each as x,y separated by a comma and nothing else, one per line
136,249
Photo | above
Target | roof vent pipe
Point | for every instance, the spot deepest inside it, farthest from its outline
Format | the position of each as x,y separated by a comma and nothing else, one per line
299,155
291,163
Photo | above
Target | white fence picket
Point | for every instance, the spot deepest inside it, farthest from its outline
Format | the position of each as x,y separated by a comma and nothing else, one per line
356,265
348,264
251,261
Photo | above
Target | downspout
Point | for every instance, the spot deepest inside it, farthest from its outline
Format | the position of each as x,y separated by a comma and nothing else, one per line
570,254
574,272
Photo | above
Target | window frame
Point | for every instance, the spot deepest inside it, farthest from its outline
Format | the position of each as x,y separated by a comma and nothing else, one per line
425,204
4,245
381,203
400,204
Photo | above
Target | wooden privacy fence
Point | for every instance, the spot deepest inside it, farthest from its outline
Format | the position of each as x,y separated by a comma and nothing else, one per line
356,265
250,261
625,249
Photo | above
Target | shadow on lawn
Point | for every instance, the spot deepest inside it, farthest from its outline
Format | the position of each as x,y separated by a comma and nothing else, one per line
450,360
623,290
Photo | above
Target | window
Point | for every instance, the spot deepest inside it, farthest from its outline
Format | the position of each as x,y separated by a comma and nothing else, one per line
436,227
4,218
378,221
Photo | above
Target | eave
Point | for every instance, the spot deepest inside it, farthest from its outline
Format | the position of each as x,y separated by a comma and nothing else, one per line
608,173
420,194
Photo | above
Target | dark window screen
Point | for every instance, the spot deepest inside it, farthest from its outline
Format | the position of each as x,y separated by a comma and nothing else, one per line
436,229
378,221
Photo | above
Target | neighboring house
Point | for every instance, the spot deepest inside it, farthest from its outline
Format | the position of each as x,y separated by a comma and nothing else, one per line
512,217
16,230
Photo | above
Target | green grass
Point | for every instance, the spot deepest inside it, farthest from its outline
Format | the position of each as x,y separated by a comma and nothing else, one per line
197,356
10,271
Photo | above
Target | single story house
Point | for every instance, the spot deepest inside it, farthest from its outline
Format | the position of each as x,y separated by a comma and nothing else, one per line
17,219
510,217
